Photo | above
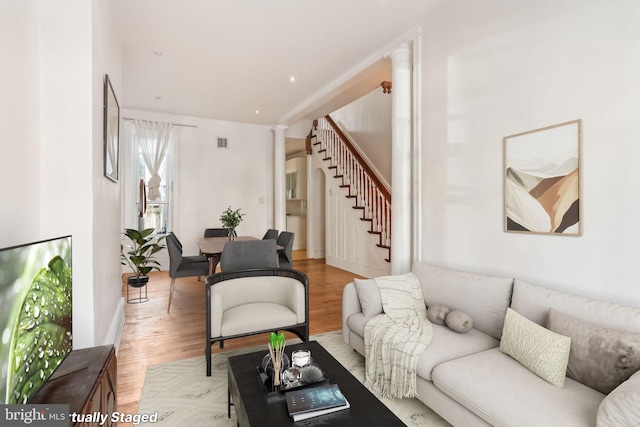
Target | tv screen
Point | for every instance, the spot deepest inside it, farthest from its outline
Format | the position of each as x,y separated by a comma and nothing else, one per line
35,315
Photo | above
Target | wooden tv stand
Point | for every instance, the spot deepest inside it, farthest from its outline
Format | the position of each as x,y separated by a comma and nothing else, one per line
92,388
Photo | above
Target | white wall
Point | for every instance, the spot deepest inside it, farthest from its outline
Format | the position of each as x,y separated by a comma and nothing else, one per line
51,145
20,129
498,67
108,304
368,121
212,178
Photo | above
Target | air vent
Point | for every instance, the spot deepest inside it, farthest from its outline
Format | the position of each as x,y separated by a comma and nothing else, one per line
222,143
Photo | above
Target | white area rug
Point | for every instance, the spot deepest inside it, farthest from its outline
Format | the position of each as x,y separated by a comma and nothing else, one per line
183,395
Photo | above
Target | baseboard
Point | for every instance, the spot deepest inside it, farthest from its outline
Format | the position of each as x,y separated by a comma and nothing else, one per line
117,326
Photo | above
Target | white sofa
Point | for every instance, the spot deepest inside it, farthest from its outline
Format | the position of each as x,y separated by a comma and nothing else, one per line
465,377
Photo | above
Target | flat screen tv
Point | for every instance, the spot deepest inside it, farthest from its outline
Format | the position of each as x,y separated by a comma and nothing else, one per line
35,315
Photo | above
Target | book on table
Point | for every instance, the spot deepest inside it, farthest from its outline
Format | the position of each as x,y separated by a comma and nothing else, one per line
312,402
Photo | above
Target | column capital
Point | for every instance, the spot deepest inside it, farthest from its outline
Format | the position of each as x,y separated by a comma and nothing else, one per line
401,54
279,129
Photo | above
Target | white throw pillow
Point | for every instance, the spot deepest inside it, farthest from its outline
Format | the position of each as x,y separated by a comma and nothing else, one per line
543,352
369,297
621,407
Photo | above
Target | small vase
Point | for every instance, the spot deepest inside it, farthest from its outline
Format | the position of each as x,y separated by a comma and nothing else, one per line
232,234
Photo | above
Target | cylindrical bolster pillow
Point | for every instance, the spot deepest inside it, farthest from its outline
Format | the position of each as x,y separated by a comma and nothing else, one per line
436,313
458,321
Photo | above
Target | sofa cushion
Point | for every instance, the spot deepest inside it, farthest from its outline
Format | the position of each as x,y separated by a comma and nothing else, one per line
540,350
369,296
501,391
601,358
445,344
534,302
621,407
484,298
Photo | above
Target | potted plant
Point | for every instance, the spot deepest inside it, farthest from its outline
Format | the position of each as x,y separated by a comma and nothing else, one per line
139,255
230,220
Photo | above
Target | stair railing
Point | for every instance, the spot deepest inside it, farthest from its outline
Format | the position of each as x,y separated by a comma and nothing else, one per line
371,194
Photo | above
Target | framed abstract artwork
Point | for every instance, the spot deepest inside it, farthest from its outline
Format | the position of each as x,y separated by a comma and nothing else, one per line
542,182
111,131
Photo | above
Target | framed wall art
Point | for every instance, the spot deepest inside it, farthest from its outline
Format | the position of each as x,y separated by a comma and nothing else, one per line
111,132
542,184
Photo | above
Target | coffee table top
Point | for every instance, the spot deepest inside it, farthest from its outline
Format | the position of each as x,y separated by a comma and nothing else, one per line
254,408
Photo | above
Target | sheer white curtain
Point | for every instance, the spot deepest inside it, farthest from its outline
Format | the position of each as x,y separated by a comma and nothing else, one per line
153,139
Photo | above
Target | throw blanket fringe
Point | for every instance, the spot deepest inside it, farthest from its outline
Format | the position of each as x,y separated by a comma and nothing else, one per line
395,339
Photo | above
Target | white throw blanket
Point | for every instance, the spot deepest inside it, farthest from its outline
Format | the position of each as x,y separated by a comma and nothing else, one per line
394,340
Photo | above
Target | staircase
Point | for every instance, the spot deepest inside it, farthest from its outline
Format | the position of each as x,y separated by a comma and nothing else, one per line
369,193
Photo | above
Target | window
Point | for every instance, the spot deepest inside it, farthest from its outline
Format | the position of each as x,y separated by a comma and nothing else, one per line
151,146
158,211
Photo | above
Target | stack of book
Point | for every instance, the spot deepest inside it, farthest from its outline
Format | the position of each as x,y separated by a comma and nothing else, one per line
312,402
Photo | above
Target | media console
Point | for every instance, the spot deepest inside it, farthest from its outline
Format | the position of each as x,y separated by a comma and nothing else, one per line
90,386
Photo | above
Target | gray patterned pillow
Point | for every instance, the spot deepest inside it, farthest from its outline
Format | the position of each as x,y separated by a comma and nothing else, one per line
600,358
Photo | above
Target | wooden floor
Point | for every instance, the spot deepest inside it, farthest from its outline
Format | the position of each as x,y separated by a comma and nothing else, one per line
152,336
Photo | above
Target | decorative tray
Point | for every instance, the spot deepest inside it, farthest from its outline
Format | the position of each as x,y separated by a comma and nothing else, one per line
307,376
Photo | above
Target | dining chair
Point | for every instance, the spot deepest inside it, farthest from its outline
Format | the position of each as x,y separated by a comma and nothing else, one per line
270,234
183,266
285,255
242,255
216,232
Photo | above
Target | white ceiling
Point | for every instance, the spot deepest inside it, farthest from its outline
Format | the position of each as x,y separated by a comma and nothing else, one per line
225,59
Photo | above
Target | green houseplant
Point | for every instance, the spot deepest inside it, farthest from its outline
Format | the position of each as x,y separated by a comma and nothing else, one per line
230,219
139,254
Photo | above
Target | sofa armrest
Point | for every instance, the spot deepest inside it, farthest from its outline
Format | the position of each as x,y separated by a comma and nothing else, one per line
350,305
620,407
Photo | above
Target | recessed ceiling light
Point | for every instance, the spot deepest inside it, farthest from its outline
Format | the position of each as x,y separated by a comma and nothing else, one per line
257,111
292,79
157,53
158,97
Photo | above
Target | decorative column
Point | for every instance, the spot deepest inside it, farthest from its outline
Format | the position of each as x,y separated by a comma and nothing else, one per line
401,237
279,182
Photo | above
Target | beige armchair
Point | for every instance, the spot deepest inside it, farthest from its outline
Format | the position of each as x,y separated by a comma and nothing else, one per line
255,301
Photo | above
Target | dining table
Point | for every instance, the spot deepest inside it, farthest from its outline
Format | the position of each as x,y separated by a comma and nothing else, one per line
212,247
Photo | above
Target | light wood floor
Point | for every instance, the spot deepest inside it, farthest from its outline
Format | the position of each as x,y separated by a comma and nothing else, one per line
152,336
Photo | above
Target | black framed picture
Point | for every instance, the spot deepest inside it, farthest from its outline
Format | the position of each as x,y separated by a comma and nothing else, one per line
111,131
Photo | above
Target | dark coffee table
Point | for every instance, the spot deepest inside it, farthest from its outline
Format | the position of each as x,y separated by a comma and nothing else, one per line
255,408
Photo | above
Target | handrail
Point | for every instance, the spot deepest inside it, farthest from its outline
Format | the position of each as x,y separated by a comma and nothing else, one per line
370,192
373,176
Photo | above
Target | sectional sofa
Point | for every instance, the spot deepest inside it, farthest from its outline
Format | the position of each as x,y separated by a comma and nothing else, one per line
494,374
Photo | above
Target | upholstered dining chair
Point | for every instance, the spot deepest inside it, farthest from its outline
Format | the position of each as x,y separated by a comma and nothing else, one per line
183,266
270,234
285,256
216,232
241,255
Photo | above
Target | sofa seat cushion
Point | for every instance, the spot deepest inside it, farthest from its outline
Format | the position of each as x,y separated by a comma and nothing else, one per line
445,344
501,391
256,317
